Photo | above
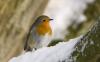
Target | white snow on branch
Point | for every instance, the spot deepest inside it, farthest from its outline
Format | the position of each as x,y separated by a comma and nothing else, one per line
59,52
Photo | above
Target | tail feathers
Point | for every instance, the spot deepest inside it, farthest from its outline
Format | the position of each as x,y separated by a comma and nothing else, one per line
27,48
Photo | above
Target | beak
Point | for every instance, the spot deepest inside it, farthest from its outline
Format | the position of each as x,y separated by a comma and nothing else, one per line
51,19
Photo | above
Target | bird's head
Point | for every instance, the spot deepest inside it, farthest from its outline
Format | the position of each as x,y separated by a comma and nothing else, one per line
43,25
43,20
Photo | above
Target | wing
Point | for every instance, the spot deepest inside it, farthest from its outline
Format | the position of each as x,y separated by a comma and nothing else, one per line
29,36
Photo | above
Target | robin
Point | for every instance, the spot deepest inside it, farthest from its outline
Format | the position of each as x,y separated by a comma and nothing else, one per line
37,31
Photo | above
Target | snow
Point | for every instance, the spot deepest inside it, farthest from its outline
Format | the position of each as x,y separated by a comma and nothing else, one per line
83,47
64,12
59,52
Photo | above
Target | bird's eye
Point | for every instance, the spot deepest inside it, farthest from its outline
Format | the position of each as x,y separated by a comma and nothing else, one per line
44,20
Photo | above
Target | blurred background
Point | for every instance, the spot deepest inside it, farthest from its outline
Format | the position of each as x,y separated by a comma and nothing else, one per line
71,19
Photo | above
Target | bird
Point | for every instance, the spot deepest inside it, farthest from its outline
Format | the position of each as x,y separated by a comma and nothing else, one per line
39,29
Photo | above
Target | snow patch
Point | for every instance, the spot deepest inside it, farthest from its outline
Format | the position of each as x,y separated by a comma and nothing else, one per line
59,52
64,12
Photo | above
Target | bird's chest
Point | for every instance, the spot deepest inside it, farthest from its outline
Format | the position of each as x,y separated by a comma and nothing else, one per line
43,29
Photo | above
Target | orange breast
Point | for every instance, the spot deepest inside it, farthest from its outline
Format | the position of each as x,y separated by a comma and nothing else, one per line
44,28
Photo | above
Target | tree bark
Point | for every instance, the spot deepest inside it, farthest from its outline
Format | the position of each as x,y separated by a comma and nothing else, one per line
88,49
16,16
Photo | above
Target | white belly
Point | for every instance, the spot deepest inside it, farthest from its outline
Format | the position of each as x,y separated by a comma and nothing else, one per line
39,41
